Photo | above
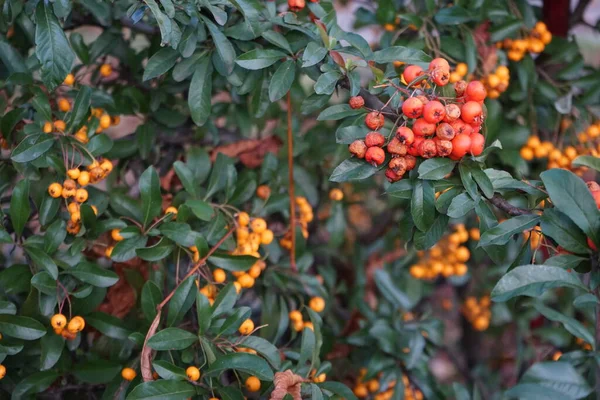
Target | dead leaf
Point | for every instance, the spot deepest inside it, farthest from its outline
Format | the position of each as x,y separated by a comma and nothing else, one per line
286,383
146,354
250,152
487,52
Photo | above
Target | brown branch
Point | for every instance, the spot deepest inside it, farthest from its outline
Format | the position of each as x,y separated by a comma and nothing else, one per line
508,208
290,149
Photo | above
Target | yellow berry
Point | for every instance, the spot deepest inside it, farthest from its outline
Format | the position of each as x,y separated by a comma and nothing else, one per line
461,69
105,121
128,374
192,373
55,190
108,251
105,70
258,225
171,210
64,105
246,281
76,324
73,173
317,304
84,178
81,195
247,327
58,321
336,194
266,237
116,235
47,127
252,384
295,315
243,218
219,275
2,371
60,125
69,80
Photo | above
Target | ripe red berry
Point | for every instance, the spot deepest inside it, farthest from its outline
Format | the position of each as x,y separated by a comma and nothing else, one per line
591,244
471,112
358,148
460,87
423,128
412,107
477,143
476,91
461,144
440,77
396,147
439,63
398,165
391,175
411,73
375,156
405,135
374,120
443,147
413,149
356,102
411,162
452,113
460,127
374,139
445,131
434,112
428,149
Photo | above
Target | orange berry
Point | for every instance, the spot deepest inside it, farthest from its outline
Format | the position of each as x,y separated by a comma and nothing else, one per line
106,70
252,384
64,105
58,321
193,373
317,304
69,80
247,327
128,374
55,190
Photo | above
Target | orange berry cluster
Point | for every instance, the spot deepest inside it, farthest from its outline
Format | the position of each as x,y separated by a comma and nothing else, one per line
583,344
317,304
448,129
447,258
304,217
73,187
497,82
460,71
251,233
246,280
362,389
477,312
317,378
534,148
535,42
67,330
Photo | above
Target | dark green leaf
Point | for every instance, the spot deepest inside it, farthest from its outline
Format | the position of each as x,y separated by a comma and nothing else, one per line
501,233
436,168
108,325
150,298
21,327
150,194
243,362
163,390
574,327
172,339
423,205
259,58
94,275
400,53
42,260
160,63
201,91
52,347
564,231
352,169
282,80
181,301
32,148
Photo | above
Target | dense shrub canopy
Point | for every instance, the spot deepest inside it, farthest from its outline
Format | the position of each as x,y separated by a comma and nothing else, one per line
229,199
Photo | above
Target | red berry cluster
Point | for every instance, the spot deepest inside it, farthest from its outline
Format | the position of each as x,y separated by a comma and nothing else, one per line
433,126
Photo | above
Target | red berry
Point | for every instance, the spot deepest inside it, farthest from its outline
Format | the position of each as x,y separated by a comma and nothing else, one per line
428,149
391,175
405,135
374,139
461,144
411,162
374,120
471,112
395,146
358,148
452,113
411,73
356,102
439,63
443,147
477,143
476,91
460,127
398,165
460,87
423,128
412,107
434,112
375,156
445,131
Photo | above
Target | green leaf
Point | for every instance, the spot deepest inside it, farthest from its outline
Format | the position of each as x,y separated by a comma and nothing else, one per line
79,47
427,239
201,209
204,312
338,388
244,362
150,194
126,249
225,300
52,347
224,47
454,15
585,300
182,300
401,189
259,58
162,390
201,91
166,370
12,59
565,261
172,339
51,47
277,39
96,371
264,348
574,327
564,231
352,169
160,63
233,322
33,383
348,134
571,196
501,233
533,281
551,380
94,275
179,232
337,112
81,108
587,161
21,327
460,205
307,347
43,282
505,29
41,103
32,147
483,181
157,252
282,80
422,206
313,54
125,206
150,298
218,177
186,176
400,53
388,288
230,262
42,260
436,168
108,325
327,82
